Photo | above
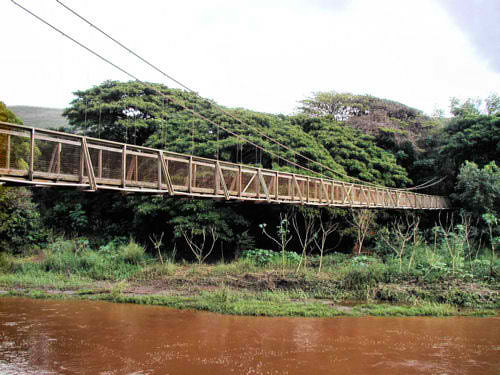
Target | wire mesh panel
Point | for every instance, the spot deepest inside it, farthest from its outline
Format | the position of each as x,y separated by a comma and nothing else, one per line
179,172
111,165
70,159
203,176
231,179
301,190
338,195
148,170
362,197
19,154
47,156
4,150
96,159
57,156
269,181
326,192
284,185
249,183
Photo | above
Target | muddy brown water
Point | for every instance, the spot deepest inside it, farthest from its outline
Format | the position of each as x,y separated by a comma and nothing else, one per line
82,337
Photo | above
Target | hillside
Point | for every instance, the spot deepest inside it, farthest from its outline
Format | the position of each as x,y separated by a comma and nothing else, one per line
40,117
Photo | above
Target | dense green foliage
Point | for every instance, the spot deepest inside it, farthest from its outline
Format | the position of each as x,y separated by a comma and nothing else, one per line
376,140
6,115
478,189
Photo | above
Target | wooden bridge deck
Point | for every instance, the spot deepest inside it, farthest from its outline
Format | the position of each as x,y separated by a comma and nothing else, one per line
43,157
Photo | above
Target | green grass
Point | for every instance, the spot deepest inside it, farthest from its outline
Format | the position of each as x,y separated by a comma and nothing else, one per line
424,309
120,271
41,279
229,302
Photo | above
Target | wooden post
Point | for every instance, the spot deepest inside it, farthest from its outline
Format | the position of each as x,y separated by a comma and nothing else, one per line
290,192
276,186
158,171
223,182
307,197
88,165
136,160
58,158
296,185
124,165
190,175
257,186
82,162
263,184
8,152
99,164
240,181
32,154
216,179
164,167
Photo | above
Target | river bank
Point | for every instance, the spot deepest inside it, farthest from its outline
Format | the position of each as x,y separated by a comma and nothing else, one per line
243,288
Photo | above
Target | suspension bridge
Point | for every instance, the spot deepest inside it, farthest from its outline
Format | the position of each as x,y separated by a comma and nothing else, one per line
41,157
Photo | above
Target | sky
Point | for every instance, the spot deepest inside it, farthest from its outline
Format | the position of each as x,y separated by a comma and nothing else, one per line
263,55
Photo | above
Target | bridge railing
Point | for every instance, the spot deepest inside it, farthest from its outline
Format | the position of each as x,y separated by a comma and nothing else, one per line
45,157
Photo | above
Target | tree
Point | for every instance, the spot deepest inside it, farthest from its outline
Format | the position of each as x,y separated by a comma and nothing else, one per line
201,223
304,223
478,189
326,228
469,107
399,234
6,115
492,104
356,152
363,223
281,236
369,114
20,224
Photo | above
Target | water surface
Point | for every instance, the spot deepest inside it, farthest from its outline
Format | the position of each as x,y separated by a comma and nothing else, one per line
82,337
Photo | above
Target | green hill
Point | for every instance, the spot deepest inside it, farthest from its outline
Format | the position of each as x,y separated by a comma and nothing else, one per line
40,117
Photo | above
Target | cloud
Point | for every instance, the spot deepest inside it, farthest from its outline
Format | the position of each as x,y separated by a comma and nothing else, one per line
478,19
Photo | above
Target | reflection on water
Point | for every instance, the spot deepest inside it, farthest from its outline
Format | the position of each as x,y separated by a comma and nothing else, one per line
67,337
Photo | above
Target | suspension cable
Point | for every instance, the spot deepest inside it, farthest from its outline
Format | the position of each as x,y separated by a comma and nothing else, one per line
195,113
220,108
170,97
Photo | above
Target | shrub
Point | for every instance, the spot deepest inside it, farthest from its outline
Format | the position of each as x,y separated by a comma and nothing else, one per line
363,274
6,263
263,257
132,253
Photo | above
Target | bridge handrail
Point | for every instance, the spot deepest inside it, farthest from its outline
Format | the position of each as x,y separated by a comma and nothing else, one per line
326,187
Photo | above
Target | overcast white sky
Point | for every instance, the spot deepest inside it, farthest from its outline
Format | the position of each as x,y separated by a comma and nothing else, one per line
262,55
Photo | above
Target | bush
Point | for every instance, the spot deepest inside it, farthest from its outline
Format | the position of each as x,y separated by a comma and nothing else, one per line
132,253
362,273
263,257
6,262
363,278
74,257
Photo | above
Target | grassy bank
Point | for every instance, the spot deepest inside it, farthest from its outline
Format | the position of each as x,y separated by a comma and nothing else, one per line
256,284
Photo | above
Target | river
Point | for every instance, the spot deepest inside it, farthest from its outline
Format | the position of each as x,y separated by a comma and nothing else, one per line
82,337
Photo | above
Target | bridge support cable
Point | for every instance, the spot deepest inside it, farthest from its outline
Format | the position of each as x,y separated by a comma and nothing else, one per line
222,110
192,111
173,99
